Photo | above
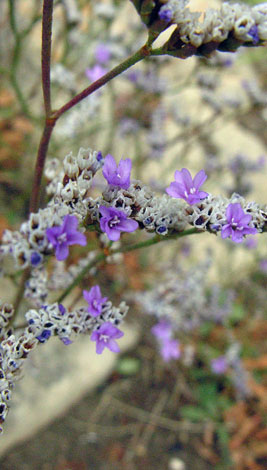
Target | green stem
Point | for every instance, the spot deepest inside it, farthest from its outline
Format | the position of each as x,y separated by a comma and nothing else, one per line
20,295
144,52
100,257
15,59
125,249
112,128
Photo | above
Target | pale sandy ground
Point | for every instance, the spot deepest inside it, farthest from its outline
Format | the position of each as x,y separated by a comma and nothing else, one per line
57,376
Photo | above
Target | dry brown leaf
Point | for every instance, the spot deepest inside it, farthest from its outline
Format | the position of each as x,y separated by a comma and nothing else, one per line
206,452
261,435
3,224
258,390
12,137
259,449
258,363
259,331
23,125
235,415
133,271
6,98
249,425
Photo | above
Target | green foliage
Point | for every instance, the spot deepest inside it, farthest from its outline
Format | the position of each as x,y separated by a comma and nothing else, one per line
237,315
128,366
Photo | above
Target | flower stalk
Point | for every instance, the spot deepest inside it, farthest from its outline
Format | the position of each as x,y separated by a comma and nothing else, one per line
125,249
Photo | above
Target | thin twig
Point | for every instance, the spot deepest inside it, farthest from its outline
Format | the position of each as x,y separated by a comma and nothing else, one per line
20,295
161,421
39,167
144,52
52,118
156,411
125,249
15,59
46,52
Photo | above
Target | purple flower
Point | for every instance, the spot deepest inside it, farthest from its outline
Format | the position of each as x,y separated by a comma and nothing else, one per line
114,221
44,336
237,223
133,76
102,54
64,235
170,349
62,309
105,337
186,188
65,340
219,365
36,258
254,33
95,300
162,330
165,14
117,175
95,72
99,156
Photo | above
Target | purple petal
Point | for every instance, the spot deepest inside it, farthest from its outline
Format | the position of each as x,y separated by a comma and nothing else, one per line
87,295
125,167
237,237
202,194
192,198
62,251
230,212
52,234
226,231
199,179
94,336
178,176
113,234
109,166
76,239
95,292
175,191
188,182
70,223
112,346
100,346
104,211
128,225
245,219
118,334
237,211
249,231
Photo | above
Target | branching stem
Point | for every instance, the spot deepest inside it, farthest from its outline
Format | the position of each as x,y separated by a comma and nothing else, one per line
46,53
125,249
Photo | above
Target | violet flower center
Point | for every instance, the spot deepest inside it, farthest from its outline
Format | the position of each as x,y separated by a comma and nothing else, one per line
115,221
104,338
62,238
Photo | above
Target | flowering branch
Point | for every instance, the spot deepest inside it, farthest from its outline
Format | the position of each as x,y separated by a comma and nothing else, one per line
125,249
52,118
